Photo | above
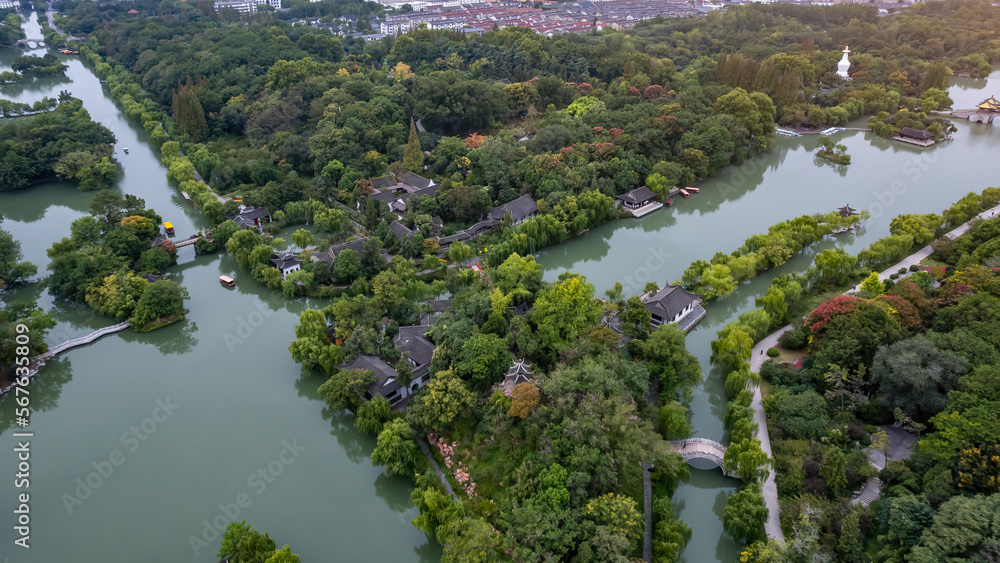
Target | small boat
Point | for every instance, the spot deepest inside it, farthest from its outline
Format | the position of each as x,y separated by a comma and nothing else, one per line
227,281
126,151
694,190
685,194
670,202
169,227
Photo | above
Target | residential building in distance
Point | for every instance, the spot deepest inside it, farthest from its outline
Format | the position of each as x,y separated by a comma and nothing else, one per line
551,19
245,6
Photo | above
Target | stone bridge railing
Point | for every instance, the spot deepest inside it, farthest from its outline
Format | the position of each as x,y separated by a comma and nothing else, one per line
702,448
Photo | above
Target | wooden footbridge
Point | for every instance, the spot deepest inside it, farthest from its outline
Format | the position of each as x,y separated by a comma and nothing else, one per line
40,359
703,448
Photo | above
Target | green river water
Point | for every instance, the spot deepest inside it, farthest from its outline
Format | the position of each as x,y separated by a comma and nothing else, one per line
189,413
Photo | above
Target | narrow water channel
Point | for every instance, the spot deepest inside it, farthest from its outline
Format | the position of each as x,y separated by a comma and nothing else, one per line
240,399
886,178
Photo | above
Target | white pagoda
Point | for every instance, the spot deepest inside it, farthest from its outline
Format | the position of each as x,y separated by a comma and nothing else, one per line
844,64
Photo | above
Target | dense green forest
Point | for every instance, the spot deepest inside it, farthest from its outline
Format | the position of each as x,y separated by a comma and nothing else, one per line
15,272
10,27
911,351
63,142
278,114
551,470
297,121
108,263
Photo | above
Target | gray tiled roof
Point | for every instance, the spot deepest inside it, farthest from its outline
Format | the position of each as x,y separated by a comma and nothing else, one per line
416,181
383,182
410,340
518,209
330,255
286,260
385,376
400,230
668,302
637,195
386,196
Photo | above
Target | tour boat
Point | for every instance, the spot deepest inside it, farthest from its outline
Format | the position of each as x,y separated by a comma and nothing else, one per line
227,281
694,190
169,227
670,202
126,151
685,194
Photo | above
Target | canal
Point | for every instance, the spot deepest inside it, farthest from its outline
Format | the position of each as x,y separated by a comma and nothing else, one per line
242,405
886,178
239,400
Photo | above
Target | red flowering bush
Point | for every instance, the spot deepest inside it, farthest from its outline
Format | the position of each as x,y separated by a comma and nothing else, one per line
616,131
633,91
907,314
952,292
598,129
653,91
584,87
602,150
842,305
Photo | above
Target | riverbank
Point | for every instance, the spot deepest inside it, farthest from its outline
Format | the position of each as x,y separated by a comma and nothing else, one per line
925,252
230,350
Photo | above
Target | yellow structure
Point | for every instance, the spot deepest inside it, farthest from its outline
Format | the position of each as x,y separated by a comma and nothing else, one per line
990,104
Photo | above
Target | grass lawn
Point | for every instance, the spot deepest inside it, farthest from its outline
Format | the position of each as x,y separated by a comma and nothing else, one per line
932,262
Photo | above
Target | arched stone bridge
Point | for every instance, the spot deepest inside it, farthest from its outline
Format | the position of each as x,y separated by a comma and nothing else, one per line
703,448
30,43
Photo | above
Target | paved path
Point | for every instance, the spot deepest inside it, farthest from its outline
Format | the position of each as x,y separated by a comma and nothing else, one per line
434,465
900,447
647,494
770,489
925,252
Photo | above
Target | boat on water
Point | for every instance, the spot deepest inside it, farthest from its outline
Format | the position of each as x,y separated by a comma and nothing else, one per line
126,150
694,190
670,202
169,227
227,281
685,194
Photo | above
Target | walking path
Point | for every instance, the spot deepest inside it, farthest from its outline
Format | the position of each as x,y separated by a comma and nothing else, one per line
39,360
900,447
923,253
770,489
647,495
434,466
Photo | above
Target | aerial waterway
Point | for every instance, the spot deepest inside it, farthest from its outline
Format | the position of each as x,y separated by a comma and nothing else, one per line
234,400
886,178
195,411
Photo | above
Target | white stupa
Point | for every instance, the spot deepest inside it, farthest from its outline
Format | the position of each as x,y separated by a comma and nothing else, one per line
844,64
